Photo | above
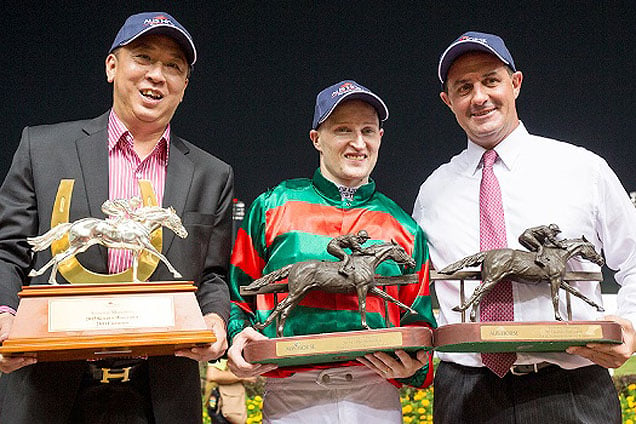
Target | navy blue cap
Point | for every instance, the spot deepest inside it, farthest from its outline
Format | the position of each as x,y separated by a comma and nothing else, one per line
473,41
330,97
155,23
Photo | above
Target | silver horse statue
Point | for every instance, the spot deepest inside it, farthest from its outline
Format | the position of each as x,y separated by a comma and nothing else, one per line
130,230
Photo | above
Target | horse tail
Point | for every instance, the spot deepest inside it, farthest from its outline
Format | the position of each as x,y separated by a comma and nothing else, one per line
40,243
265,280
471,260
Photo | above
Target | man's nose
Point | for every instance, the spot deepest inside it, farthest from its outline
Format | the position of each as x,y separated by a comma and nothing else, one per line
358,140
480,95
155,72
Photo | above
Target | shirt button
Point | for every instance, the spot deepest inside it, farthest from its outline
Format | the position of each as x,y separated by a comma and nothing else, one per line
326,378
347,204
348,377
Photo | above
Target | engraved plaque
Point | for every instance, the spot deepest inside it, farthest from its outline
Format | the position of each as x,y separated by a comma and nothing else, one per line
339,344
547,332
337,347
109,313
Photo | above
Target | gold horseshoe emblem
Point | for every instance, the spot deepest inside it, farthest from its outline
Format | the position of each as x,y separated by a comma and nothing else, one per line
72,270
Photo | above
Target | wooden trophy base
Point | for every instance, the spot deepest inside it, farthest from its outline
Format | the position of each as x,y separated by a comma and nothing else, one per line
78,322
336,347
537,336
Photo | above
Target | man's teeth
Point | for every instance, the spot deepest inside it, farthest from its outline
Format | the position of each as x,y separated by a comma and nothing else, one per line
151,94
483,112
355,157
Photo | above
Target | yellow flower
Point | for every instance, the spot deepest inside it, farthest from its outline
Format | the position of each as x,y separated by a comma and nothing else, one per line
421,411
631,387
407,409
426,402
628,421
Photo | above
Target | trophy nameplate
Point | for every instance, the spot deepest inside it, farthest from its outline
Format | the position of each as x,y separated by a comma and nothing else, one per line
535,336
107,315
336,347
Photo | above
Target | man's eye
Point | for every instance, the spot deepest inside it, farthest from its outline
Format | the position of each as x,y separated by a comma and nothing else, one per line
174,68
143,58
464,89
342,130
492,82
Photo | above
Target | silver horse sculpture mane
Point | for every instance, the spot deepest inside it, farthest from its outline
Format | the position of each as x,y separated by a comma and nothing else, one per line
130,233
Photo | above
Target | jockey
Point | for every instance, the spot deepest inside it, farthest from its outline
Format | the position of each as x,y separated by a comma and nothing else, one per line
118,209
352,241
537,238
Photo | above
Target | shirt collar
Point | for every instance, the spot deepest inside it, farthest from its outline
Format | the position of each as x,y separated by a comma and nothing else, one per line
330,190
508,150
117,132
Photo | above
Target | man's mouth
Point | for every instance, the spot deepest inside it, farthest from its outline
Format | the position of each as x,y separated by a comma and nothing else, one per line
151,94
483,112
352,156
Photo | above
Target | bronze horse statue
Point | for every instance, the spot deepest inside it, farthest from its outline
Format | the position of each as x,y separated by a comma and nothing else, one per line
520,266
124,233
310,275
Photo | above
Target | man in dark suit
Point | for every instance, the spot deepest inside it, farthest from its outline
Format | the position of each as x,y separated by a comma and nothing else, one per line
149,65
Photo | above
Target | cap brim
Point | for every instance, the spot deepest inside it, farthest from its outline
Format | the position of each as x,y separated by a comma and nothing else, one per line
366,96
460,48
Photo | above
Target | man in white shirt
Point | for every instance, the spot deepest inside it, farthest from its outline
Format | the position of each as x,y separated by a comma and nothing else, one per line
542,181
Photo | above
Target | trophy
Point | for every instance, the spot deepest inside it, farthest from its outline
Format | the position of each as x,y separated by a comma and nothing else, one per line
353,275
99,316
545,264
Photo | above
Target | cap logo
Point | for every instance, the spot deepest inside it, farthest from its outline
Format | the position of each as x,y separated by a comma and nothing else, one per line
157,20
345,88
479,40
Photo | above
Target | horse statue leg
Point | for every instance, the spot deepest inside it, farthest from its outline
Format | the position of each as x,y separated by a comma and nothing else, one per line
380,293
567,287
555,283
278,310
474,300
482,290
151,249
57,259
361,291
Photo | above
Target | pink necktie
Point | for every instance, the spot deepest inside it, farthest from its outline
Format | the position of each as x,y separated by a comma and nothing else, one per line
497,305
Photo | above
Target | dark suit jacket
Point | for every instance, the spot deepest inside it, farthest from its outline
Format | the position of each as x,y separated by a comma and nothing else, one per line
200,188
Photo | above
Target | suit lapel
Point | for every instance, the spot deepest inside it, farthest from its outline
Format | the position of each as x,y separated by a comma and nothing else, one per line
93,158
178,181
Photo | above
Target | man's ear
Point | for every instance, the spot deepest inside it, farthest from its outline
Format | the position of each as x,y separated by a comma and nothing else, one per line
517,79
111,65
315,139
444,96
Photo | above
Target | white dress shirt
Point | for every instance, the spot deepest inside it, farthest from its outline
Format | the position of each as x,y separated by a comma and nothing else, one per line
543,181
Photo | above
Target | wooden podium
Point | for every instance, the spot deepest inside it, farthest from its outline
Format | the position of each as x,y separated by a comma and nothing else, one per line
96,321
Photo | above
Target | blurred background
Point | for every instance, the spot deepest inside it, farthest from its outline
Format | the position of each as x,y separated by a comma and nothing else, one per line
251,97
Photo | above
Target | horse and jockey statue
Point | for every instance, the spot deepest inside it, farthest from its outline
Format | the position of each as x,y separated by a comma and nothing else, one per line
546,263
128,227
353,275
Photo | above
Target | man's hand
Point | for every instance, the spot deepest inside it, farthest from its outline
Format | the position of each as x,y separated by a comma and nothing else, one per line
213,351
609,355
388,366
11,364
237,364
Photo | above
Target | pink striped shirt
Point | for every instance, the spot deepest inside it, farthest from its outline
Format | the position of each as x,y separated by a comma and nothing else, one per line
125,169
